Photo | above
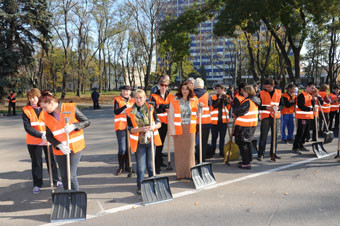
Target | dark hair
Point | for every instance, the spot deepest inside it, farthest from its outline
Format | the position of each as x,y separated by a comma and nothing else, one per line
242,85
335,87
46,97
310,84
219,86
268,81
179,91
291,85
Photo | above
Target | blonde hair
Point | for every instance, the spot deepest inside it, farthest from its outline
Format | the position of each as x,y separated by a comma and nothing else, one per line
140,91
324,87
33,93
199,83
250,90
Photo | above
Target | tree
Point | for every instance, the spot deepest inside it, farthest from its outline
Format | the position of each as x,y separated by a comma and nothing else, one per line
22,25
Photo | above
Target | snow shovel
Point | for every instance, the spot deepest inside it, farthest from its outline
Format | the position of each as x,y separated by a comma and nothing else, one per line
169,167
68,205
328,135
131,173
155,189
202,174
317,147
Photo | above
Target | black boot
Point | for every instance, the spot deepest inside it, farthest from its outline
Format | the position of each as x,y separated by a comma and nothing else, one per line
121,165
127,163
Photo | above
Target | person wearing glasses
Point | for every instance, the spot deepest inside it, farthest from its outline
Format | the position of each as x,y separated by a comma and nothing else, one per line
57,128
162,100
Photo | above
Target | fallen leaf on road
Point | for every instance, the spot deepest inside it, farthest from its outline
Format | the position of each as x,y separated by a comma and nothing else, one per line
196,203
134,207
286,193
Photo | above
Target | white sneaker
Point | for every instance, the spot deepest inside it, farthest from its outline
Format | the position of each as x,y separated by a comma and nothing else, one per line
36,190
59,184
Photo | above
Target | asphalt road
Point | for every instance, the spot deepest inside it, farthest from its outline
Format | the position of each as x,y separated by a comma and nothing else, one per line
296,190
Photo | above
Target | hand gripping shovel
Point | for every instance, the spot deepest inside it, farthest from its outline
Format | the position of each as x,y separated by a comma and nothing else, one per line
202,174
155,189
317,147
68,205
329,135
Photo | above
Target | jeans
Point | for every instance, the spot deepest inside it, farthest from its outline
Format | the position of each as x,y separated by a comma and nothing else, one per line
266,124
37,167
74,160
287,120
215,130
122,141
144,161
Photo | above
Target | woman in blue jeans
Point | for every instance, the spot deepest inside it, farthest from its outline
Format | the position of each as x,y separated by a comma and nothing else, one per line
141,130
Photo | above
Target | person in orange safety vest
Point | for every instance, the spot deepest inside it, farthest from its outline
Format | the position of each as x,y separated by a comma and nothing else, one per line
121,103
141,130
325,107
334,114
64,120
287,114
12,99
37,142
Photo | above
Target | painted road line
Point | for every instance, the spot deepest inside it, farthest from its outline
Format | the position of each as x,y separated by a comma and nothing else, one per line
190,192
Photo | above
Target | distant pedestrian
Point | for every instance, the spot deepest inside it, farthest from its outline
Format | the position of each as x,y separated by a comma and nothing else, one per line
11,102
95,98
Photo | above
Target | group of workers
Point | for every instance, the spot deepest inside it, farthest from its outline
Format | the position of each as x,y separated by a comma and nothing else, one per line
142,121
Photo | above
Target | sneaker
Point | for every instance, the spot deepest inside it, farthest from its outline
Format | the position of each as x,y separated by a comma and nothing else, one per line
296,151
303,149
248,167
139,192
36,190
59,184
290,141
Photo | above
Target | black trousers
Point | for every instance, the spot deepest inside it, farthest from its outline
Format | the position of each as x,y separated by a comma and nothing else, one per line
11,105
162,133
266,124
96,104
245,150
301,133
333,115
322,125
205,136
37,168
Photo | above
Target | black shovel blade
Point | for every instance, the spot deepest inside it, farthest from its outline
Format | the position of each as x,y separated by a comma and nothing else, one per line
155,190
202,175
68,206
328,137
254,148
318,149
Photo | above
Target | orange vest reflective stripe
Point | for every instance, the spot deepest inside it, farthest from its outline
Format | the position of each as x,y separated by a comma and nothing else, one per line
206,111
249,119
12,97
291,109
178,116
270,101
76,141
36,123
335,102
326,107
239,97
214,112
120,120
134,136
163,117
299,114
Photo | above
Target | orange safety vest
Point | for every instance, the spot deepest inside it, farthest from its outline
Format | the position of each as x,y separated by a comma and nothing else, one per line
326,107
335,104
291,109
163,117
270,101
239,97
249,119
206,111
76,137
120,119
299,114
134,136
37,123
178,117
12,97
214,112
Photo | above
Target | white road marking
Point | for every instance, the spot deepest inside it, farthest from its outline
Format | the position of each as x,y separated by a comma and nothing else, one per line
190,192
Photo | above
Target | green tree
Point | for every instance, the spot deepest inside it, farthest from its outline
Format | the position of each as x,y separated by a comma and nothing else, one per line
22,24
